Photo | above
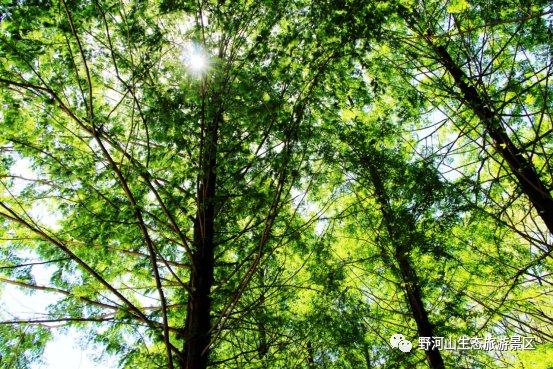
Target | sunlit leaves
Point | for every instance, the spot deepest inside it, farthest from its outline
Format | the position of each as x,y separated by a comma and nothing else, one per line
342,142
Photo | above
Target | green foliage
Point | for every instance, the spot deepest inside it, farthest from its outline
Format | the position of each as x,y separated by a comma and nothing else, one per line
329,145
26,345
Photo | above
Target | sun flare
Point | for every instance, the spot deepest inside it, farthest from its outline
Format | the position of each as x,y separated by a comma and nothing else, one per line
197,62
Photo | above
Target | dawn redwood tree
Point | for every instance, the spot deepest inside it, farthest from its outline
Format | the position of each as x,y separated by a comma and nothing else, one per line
412,255
484,69
380,117
243,184
410,208
488,71
163,140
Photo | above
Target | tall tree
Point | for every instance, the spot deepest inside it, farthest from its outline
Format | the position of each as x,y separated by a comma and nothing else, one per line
166,152
499,71
276,183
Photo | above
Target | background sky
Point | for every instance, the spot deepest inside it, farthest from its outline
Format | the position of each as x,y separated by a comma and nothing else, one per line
63,351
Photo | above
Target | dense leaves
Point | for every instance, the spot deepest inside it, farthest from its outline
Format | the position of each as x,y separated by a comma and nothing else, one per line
258,184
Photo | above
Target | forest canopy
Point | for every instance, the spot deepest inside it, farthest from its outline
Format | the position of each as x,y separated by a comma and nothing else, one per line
279,184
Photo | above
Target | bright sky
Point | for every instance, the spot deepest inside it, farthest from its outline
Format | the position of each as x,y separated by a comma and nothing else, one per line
63,352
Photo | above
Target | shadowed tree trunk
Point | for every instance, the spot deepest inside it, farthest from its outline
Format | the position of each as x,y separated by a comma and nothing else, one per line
407,273
367,357
310,355
522,168
198,323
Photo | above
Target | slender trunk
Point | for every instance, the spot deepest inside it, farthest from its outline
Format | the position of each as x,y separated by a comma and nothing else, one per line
310,355
367,356
198,321
524,171
412,290
407,272
263,347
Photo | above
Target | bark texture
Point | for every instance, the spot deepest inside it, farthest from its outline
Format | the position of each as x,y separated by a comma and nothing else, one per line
198,322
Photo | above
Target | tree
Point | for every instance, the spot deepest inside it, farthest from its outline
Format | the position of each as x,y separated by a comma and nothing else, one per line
497,71
240,184
409,206
163,181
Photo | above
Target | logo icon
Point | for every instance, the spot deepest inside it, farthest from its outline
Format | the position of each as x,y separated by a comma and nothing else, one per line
398,341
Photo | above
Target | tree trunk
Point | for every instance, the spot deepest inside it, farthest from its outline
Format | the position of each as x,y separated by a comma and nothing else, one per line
310,355
412,290
263,347
367,356
198,320
524,171
407,272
